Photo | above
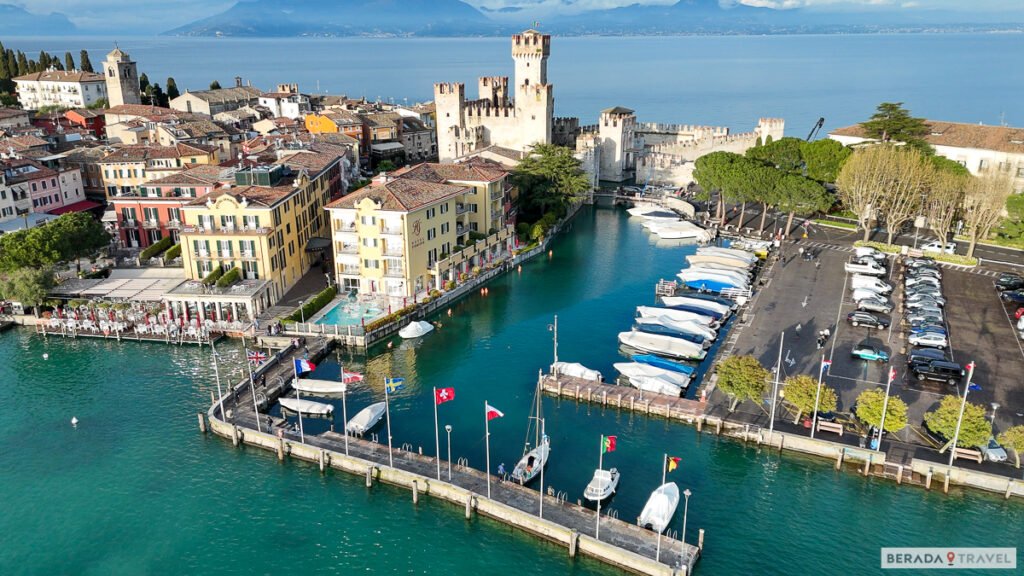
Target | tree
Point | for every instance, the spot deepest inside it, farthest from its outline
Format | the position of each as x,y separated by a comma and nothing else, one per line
22,64
862,181
798,195
29,286
974,429
143,85
83,59
68,237
783,154
215,85
78,235
1013,438
869,410
1012,227
69,61
801,392
172,89
983,205
945,195
908,174
893,123
549,178
742,378
823,159
711,171
99,104
157,96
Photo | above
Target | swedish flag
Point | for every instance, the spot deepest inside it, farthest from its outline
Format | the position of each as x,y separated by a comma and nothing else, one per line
394,384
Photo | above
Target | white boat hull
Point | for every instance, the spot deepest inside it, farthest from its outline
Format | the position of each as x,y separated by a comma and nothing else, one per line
577,370
677,315
530,464
684,326
660,507
698,259
602,485
638,370
306,407
416,329
311,386
366,419
663,345
698,302
740,254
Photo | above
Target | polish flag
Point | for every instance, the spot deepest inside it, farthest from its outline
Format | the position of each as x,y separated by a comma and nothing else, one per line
442,395
492,412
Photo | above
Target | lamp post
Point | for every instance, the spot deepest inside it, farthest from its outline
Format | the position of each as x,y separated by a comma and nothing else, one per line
302,311
775,389
448,429
686,509
960,419
995,406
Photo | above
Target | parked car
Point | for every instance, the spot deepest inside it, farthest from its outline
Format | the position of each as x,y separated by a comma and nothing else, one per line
925,292
923,289
922,328
923,303
865,293
869,252
865,266
924,354
1009,281
860,281
929,339
860,318
875,305
937,246
1016,296
920,319
919,261
918,280
938,370
924,271
868,352
992,451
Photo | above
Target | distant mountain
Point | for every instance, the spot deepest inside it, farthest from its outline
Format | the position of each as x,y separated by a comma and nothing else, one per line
16,21
279,18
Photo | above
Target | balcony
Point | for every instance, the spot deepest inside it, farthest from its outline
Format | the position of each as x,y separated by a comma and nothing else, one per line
394,272
391,230
203,254
349,249
393,251
247,254
174,224
461,209
151,224
243,231
460,230
226,254
129,223
350,270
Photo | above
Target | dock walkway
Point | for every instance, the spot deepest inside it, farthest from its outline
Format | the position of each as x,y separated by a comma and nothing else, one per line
623,397
621,544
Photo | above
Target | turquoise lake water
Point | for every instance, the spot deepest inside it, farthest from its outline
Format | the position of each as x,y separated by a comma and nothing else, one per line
136,489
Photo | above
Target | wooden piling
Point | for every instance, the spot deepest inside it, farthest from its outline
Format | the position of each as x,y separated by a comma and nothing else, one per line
867,465
899,474
618,404
574,540
648,406
322,458
469,506
369,476
945,482
559,388
577,392
700,539
718,427
415,492
590,394
202,423
700,424
234,436
604,398
1009,489
280,449
839,458
632,401
928,480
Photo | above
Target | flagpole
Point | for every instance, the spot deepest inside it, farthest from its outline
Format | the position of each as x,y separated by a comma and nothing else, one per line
387,412
252,386
885,408
775,392
216,373
487,447
817,396
960,419
542,439
600,463
437,438
295,384
664,464
344,409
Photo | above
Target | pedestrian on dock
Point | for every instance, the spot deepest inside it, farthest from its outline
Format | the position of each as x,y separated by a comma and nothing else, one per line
501,470
798,328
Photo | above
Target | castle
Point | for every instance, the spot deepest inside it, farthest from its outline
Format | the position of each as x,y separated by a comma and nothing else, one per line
495,119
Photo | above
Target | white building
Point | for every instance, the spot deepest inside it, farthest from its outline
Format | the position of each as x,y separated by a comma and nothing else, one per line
286,102
977,147
74,89
464,126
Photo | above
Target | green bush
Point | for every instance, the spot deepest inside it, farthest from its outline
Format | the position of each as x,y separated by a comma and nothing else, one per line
315,304
449,285
232,276
475,236
880,246
212,277
172,252
393,317
835,224
435,293
523,231
157,248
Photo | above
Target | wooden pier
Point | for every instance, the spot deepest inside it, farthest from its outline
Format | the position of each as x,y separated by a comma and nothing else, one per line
128,336
623,397
620,543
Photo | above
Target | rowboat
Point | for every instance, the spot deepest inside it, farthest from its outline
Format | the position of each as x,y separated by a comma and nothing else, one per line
366,419
306,407
660,507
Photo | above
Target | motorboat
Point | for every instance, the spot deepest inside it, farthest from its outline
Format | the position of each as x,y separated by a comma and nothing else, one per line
661,216
721,309
735,253
709,297
680,327
312,386
530,464
416,329
711,282
662,345
660,362
677,315
736,276
674,230
724,259
602,485
306,407
642,209
576,370
652,326
660,508
653,379
366,419
656,385
723,267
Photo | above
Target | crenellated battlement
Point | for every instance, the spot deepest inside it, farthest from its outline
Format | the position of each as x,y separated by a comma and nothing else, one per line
531,44
488,108
682,129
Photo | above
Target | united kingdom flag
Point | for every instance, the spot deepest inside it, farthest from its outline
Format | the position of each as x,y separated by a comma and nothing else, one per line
256,357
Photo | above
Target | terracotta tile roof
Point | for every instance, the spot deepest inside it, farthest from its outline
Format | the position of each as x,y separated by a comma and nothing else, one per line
85,113
314,158
959,135
153,113
401,194
466,172
60,76
233,94
6,113
140,153
343,117
262,196
24,170
382,119
197,175
22,143
201,129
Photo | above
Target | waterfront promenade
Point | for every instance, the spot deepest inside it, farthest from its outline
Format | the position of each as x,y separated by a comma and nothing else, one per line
617,542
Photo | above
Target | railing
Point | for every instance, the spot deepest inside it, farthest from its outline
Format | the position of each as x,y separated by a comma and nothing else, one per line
352,270
461,208
349,249
244,231
394,273
151,224
246,254
394,252
394,230
460,230
174,224
129,223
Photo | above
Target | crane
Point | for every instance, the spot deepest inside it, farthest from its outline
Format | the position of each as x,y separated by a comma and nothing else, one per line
815,129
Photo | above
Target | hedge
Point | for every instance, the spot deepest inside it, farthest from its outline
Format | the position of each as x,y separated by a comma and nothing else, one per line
172,252
835,224
880,246
393,317
232,276
155,249
212,277
315,304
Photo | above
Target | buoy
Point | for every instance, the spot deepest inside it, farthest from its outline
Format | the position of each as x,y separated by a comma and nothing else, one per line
74,422
449,312
390,344
520,269
551,253
46,356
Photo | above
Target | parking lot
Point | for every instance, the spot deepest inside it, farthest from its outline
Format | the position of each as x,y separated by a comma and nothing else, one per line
979,326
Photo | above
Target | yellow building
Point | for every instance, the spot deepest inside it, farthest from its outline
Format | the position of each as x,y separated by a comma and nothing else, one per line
124,169
410,232
264,223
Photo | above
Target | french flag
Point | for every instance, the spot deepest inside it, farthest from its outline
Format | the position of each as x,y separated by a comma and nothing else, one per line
302,366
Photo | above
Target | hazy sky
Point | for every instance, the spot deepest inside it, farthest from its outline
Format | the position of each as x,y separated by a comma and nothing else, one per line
147,16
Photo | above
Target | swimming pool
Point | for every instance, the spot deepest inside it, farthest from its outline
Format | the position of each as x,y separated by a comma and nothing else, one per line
350,313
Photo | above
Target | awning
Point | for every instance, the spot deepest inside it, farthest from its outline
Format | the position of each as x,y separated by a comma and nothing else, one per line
109,216
317,244
387,147
76,207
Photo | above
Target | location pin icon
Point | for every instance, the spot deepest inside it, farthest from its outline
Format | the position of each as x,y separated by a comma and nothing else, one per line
950,556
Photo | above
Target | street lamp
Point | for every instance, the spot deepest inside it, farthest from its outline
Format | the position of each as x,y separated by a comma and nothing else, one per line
963,404
995,406
448,429
302,311
686,509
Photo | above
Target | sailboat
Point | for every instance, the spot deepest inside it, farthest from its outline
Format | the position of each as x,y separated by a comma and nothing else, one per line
533,460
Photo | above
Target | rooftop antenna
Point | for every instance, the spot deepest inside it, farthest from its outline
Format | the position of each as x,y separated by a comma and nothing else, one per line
1002,119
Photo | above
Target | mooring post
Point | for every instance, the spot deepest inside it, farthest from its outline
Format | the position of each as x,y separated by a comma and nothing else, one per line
604,398
899,474
700,539
746,432
945,482
867,465
718,426
369,476
574,539
782,441
202,423
618,404
590,393
648,406
928,480
469,506
1009,489
839,458
415,492
559,388
280,449
322,458
577,392
234,435
632,402
700,424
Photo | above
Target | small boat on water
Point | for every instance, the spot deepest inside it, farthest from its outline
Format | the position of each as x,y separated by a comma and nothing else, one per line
722,267
602,485
709,297
366,419
660,362
530,464
659,216
534,460
712,282
666,325
653,326
660,508
678,315
735,276
725,260
416,329
312,386
653,379
721,310
741,254
306,407
642,209
577,370
662,345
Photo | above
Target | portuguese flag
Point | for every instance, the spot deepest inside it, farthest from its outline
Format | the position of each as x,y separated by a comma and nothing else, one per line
607,444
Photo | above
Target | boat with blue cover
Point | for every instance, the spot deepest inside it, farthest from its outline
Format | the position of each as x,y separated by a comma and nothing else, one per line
665,363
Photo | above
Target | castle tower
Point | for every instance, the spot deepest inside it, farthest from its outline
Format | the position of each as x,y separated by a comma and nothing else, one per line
534,97
449,106
617,130
122,79
530,50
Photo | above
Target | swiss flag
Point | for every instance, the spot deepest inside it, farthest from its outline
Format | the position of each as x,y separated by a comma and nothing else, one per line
442,395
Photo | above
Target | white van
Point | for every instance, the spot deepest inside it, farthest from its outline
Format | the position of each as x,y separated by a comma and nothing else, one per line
859,281
865,293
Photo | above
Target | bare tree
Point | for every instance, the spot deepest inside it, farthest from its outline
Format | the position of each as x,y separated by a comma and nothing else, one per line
862,182
984,205
943,201
908,174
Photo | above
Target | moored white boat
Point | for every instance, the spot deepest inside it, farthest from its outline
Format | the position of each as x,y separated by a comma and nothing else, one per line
530,464
678,315
366,419
722,267
653,379
680,326
602,485
656,385
577,370
306,407
741,254
662,345
416,329
721,309
660,507
726,260
312,386
641,209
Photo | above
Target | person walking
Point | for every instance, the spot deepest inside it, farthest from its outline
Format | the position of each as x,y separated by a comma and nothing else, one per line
501,470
